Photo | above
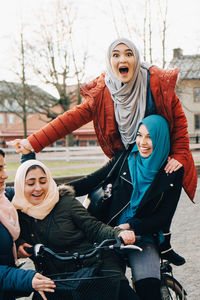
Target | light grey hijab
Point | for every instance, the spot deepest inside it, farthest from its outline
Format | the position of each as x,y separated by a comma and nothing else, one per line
130,98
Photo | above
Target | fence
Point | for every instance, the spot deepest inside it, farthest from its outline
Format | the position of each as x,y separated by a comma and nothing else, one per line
89,153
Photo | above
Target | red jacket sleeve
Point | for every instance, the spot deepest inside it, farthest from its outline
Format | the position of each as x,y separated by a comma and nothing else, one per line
62,125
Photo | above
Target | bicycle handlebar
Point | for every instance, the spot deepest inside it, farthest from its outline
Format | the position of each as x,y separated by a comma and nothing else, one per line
109,244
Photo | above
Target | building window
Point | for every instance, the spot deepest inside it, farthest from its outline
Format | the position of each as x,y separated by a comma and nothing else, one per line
92,143
197,121
196,93
1,119
11,119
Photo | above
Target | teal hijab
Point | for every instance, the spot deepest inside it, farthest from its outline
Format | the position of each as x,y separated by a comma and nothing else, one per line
144,170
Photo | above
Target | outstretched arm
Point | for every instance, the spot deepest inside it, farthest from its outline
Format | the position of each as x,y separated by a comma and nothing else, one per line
12,279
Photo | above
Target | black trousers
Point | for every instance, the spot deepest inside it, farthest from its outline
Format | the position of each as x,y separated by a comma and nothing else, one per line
126,292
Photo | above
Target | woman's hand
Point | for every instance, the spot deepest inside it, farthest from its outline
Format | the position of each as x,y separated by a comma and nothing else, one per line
128,236
43,284
21,253
172,165
21,146
124,226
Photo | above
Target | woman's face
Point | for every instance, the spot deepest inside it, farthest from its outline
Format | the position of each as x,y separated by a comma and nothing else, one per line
122,62
144,142
36,186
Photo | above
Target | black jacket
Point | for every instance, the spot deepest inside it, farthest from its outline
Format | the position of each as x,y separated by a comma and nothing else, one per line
158,205
68,227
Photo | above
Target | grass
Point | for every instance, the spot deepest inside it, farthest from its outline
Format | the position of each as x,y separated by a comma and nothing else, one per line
54,167
81,171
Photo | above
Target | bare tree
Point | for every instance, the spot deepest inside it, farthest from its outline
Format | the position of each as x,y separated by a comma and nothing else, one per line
19,97
131,28
150,32
163,10
114,19
53,56
23,81
79,71
144,31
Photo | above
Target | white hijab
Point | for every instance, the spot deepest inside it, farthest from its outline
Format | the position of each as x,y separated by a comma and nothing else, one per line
130,98
41,210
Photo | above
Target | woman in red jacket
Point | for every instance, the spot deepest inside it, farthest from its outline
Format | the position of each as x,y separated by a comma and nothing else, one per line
117,101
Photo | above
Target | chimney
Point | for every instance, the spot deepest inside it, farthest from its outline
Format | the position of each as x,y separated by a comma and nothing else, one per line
177,53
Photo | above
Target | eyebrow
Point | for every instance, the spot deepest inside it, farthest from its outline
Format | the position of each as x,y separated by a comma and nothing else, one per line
35,178
115,50
145,134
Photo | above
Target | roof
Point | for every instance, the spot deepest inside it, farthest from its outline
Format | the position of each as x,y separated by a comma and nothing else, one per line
12,94
189,66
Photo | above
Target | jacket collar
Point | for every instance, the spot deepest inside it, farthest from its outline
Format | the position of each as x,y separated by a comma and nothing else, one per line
160,184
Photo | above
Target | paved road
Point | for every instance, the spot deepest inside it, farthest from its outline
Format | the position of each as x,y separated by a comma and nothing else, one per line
186,240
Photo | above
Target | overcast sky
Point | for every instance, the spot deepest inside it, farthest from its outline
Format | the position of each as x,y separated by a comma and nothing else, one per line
96,28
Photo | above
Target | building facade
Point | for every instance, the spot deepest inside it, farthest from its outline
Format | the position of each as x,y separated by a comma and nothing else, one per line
188,89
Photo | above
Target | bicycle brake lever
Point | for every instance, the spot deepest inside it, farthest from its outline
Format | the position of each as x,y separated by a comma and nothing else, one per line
131,247
121,245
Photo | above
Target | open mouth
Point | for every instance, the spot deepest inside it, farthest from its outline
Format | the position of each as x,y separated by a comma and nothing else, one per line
37,196
123,70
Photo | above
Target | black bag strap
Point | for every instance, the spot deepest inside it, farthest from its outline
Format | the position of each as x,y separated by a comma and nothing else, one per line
121,159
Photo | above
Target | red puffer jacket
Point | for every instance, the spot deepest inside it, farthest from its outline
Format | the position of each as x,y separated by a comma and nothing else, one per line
98,106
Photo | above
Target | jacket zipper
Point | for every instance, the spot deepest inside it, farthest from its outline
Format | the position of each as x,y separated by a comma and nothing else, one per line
104,138
86,92
118,213
126,180
125,205
159,201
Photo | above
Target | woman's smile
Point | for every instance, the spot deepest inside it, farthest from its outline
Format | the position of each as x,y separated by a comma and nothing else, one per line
36,186
144,142
37,195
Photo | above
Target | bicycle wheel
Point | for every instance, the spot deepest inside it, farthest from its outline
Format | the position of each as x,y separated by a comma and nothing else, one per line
171,289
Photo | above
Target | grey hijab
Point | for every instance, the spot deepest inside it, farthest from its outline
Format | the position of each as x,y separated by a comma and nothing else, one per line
130,98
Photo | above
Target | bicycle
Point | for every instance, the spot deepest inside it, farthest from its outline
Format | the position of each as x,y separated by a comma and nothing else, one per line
170,287
86,283
107,282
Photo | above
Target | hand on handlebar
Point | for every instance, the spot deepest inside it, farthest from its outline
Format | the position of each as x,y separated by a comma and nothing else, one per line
124,226
128,236
21,252
42,283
